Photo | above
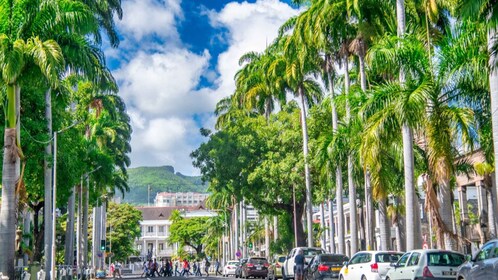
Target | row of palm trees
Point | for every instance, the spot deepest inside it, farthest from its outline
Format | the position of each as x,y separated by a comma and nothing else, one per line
54,76
409,87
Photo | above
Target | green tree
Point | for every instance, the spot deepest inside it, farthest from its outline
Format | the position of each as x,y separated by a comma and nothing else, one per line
188,231
123,222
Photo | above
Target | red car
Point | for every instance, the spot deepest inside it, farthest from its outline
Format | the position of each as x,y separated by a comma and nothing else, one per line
255,267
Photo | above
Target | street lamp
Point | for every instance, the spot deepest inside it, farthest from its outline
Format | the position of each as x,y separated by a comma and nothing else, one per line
54,195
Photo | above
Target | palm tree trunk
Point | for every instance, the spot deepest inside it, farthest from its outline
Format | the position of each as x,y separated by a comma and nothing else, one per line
384,227
85,222
322,225
491,212
236,228
353,220
26,232
307,175
338,187
69,239
8,221
331,227
267,238
493,88
47,169
445,202
275,228
369,213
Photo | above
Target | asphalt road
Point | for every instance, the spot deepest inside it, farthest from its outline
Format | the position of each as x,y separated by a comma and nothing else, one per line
211,277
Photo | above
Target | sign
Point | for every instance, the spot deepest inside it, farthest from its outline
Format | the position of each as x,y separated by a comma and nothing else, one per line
238,254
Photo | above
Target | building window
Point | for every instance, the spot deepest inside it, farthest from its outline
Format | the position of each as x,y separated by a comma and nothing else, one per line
161,229
150,229
161,246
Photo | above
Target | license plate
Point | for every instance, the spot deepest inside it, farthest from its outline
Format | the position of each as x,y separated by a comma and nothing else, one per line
258,267
452,273
335,269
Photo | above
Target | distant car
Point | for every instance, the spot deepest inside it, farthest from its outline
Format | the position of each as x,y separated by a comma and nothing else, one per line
309,253
369,265
275,268
483,266
325,266
230,268
425,264
255,267
238,270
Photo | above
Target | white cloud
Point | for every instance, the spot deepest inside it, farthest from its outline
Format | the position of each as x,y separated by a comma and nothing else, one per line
165,141
143,18
162,84
159,82
251,27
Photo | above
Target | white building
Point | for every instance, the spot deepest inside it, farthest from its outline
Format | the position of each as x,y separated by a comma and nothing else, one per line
179,199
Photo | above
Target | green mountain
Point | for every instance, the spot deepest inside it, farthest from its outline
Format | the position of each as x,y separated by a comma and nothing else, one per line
159,179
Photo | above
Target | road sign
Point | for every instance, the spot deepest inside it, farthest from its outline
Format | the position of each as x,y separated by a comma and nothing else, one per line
238,254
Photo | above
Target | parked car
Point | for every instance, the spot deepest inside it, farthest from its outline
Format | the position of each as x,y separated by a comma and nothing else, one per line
238,270
369,265
255,267
230,268
275,268
424,264
309,253
325,266
484,265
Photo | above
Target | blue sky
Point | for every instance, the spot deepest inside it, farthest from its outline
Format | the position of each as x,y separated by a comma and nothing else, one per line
176,60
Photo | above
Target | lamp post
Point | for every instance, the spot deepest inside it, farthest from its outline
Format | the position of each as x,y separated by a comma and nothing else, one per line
54,195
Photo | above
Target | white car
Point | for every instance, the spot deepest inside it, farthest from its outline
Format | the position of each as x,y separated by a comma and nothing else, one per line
422,264
230,267
308,252
369,265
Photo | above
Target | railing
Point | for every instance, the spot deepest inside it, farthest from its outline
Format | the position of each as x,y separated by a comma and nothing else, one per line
63,272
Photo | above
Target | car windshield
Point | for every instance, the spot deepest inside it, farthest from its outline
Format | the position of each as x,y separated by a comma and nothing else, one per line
281,259
333,258
387,257
308,253
233,263
258,260
445,259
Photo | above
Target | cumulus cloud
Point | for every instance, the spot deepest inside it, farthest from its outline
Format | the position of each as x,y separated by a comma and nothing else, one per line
162,84
251,27
144,18
160,79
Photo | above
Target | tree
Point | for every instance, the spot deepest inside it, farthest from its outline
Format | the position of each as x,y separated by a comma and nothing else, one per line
188,231
123,222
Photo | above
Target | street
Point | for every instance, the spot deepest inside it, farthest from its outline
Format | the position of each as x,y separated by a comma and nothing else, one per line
135,276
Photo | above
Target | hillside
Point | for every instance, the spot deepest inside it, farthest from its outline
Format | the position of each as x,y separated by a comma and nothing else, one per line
160,179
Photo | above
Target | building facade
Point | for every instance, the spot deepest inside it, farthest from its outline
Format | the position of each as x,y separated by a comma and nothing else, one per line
181,199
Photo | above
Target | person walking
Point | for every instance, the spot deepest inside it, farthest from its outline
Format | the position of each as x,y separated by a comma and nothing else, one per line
177,263
299,265
217,268
206,266
198,270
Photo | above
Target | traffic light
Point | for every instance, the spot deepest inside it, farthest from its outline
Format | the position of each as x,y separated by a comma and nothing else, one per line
102,245
250,245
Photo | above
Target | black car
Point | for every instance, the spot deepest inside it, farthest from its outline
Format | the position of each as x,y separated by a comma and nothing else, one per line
238,271
325,266
255,267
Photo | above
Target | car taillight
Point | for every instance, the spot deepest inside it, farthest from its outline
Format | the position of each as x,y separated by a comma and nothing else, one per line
266,264
323,267
427,272
278,265
374,267
250,265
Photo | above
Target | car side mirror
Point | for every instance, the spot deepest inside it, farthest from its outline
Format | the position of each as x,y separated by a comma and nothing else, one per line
393,264
468,258
345,263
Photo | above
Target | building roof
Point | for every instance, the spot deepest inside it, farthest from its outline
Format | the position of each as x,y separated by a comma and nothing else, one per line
150,213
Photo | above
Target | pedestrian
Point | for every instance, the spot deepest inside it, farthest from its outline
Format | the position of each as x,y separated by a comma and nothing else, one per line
217,267
144,268
198,270
112,270
206,266
299,265
155,268
118,269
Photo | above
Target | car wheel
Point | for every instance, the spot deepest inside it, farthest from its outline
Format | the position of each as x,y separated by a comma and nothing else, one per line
341,277
363,277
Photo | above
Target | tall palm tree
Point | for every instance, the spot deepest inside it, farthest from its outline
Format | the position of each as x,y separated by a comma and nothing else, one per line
297,63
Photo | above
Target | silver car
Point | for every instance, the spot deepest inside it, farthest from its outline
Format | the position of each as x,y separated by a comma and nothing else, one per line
483,266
